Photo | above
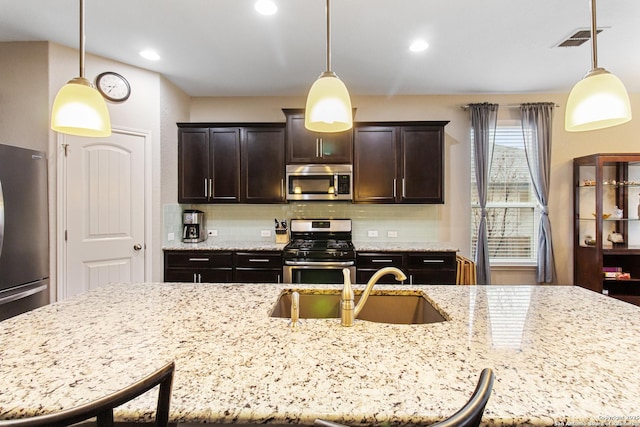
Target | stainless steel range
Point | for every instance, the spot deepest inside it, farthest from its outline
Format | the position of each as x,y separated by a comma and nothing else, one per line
318,251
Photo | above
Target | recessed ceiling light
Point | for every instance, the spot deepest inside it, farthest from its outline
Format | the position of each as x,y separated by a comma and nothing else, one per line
149,54
418,46
266,7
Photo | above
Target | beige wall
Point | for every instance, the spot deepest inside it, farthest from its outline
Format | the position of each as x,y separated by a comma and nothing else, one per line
453,216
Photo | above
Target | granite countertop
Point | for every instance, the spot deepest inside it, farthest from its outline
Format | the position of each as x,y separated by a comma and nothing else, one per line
561,355
212,244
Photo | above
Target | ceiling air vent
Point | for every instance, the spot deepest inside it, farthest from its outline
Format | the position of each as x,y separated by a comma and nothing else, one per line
580,36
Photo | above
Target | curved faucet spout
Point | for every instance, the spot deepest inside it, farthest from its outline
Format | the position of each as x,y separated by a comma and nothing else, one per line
348,311
400,276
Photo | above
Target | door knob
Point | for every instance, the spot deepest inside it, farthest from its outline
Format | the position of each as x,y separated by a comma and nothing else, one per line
137,247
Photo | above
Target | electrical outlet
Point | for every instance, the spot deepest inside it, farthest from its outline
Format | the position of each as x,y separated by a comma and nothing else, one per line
392,234
265,233
171,237
372,233
212,233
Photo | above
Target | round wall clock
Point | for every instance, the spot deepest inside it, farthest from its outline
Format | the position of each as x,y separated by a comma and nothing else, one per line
113,86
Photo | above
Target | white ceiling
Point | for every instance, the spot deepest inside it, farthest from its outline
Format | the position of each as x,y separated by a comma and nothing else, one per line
224,48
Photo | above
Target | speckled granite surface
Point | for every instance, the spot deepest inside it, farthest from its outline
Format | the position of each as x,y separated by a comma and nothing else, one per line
560,354
217,245
405,247
212,244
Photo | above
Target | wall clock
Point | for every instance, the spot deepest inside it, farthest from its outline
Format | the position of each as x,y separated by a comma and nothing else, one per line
113,86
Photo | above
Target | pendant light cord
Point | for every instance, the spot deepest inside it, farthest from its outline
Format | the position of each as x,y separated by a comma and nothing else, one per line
594,34
82,38
328,16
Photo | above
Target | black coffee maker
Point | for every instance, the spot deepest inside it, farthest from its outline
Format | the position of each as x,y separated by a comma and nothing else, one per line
193,226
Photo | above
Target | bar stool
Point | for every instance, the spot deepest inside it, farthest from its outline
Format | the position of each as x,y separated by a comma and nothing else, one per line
469,415
102,408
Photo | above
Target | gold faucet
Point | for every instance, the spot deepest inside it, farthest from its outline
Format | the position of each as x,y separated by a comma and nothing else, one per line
348,311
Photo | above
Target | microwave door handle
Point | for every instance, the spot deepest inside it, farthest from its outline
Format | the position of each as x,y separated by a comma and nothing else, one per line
335,185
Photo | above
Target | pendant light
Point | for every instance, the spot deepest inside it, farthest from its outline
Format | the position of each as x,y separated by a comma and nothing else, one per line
328,106
600,99
78,108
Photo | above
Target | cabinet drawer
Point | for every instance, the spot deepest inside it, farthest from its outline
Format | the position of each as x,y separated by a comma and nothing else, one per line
258,260
379,260
432,277
259,276
223,275
198,259
432,261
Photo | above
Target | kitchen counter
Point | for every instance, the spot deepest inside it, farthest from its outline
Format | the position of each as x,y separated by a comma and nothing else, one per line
560,354
212,244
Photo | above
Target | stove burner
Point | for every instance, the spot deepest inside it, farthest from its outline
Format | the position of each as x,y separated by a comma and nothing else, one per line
309,243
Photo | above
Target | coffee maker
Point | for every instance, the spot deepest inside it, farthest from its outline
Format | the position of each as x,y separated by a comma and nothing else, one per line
193,226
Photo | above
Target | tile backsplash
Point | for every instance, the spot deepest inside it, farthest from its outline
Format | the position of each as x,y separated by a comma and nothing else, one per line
239,222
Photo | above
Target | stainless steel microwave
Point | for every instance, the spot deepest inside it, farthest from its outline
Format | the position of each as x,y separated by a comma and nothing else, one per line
319,182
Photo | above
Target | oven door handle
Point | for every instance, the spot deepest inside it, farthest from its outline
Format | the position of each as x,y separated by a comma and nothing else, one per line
320,263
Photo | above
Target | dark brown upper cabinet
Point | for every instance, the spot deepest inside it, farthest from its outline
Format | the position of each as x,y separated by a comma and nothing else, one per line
304,146
209,165
231,163
399,162
263,165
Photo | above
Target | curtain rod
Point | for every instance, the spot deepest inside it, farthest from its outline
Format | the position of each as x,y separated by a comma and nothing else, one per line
466,107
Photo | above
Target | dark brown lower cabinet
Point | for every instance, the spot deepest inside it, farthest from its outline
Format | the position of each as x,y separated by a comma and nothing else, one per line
222,266
421,268
198,266
258,267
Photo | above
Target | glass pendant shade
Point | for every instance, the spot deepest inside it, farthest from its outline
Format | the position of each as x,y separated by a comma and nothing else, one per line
79,109
328,106
598,101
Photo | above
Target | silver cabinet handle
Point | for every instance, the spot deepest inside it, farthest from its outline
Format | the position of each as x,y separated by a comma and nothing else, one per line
258,260
321,148
317,147
381,260
199,278
404,193
137,247
432,261
199,259
210,187
195,280
206,194
394,188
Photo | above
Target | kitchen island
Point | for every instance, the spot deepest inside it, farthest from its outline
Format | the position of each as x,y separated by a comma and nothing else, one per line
561,355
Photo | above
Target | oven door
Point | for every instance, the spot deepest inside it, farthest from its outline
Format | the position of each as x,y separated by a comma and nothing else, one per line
312,272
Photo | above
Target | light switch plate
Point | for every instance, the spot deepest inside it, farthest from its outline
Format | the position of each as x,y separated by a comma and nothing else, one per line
170,237
212,233
372,233
265,233
392,234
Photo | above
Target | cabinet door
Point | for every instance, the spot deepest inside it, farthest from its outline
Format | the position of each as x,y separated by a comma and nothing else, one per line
193,165
304,146
262,165
422,164
368,263
375,164
225,164
432,268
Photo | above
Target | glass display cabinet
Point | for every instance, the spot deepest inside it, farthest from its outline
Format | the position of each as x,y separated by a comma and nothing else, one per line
607,224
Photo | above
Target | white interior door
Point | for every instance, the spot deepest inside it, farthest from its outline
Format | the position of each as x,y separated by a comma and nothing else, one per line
105,211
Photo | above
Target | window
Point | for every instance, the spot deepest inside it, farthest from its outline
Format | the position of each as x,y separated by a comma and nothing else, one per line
512,214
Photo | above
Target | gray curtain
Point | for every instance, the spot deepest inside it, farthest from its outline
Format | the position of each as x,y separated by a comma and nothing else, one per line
483,121
536,129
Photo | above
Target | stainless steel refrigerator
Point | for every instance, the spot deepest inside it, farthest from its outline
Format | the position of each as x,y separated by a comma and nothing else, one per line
24,231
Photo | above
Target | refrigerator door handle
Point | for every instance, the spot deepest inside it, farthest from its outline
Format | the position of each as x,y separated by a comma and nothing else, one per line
1,217
30,290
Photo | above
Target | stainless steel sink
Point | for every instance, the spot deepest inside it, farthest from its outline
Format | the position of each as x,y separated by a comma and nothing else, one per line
406,308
